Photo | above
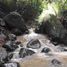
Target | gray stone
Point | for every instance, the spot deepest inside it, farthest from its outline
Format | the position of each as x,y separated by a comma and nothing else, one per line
25,52
12,37
34,44
45,50
14,20
10,46
11,64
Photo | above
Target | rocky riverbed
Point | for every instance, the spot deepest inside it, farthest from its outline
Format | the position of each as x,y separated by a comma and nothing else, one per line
33,49
21,45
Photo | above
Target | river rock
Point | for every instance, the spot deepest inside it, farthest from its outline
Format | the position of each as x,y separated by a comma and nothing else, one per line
25,52
12,37
9,57
12,64
3,54
10,46
14,20
34,44
18,43
2,65
56,63
45,50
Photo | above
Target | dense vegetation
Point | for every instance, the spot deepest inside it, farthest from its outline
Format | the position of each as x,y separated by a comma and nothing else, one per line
34,8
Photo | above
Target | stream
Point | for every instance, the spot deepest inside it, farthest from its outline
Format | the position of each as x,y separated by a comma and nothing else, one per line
53,56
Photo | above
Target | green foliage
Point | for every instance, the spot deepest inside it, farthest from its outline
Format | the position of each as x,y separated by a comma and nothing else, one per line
39,6
54,7
36,4
31,8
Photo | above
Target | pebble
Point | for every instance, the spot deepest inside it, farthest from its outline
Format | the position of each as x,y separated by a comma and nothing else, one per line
56,62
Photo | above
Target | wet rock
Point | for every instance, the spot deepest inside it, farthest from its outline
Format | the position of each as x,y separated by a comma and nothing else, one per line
14,64
25,52
45,50
19,43
65,49
10,46
15,21
12,37
3,54
34,44
64,40
55,62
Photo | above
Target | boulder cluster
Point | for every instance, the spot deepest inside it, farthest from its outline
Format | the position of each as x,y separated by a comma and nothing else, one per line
11,25
55,28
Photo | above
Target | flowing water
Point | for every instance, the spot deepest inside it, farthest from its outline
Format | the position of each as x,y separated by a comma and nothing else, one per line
55,58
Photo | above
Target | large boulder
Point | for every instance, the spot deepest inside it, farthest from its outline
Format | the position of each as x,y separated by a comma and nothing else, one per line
53,28
15,21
